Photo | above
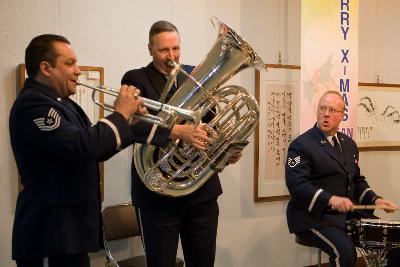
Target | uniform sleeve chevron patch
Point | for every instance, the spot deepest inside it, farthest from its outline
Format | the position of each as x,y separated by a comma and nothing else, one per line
50,122
293,162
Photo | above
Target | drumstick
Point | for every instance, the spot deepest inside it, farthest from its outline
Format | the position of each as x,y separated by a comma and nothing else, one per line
372,207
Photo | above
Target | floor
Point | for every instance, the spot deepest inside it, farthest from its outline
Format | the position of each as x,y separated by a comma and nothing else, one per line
360,263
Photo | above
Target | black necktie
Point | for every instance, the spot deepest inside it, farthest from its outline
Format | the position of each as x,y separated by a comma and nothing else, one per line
170,93
165,96
337,146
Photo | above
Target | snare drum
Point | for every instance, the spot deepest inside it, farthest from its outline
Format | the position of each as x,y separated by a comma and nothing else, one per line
374,233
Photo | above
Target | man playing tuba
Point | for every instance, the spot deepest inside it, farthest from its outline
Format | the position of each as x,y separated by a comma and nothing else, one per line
163,219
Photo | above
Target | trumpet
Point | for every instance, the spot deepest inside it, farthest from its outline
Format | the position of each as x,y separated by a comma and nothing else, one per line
167,122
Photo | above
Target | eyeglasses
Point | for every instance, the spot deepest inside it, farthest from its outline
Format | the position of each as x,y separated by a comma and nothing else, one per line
323,109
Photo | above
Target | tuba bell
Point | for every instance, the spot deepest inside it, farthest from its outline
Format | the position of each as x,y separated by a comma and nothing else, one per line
179,169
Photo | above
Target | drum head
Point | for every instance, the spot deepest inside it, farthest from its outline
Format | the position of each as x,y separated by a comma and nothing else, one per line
380,222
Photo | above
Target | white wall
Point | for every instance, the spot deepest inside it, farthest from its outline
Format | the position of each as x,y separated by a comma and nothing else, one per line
113,34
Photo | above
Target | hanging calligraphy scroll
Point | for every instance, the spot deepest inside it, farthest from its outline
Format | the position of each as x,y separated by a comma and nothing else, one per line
277,92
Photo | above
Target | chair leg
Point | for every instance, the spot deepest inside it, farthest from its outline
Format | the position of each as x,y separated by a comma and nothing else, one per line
319,258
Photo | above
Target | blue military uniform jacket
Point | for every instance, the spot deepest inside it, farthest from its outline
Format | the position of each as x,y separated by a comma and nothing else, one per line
57,153
314,172
151,83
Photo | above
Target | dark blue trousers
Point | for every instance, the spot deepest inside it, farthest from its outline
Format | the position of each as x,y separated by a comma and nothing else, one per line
196,226
68,260
334,242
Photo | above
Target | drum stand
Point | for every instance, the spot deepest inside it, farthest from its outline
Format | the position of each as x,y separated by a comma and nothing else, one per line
374,257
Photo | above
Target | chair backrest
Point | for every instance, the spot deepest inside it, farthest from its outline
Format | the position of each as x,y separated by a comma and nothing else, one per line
120,221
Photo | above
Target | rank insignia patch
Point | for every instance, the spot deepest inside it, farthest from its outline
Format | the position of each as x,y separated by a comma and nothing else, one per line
293,162
50,122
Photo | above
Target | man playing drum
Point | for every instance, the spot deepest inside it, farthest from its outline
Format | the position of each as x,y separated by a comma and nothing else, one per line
324,180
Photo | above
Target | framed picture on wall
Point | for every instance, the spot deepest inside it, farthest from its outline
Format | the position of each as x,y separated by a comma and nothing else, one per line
93,76
277,91
378,116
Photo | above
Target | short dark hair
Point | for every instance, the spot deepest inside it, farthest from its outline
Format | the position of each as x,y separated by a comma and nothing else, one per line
161,26
40,49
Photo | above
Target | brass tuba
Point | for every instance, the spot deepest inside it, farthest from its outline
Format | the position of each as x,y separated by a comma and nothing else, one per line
178,169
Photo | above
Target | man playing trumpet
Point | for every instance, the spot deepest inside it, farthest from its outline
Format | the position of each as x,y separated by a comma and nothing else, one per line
57,150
